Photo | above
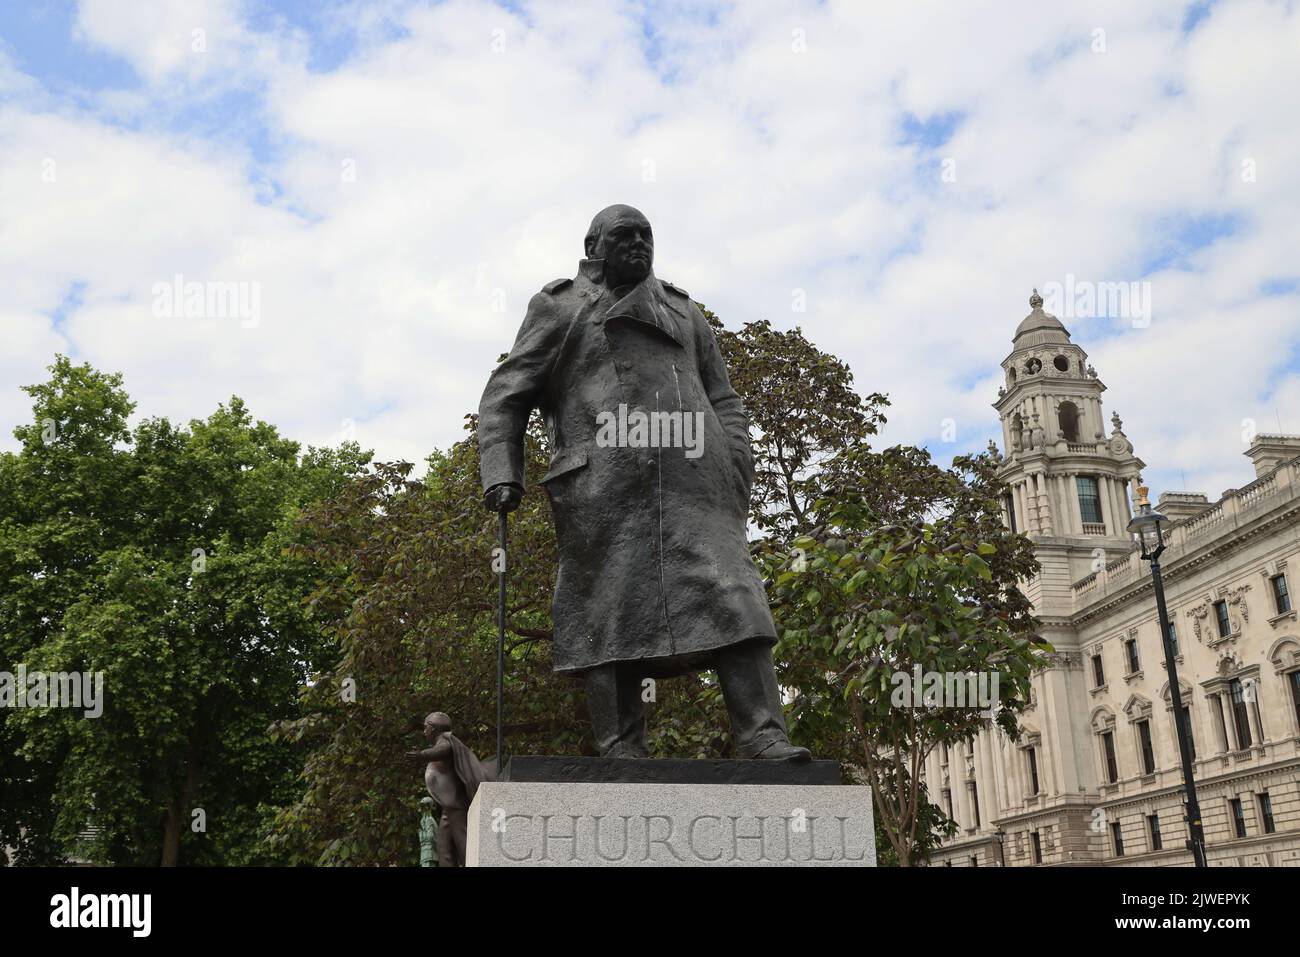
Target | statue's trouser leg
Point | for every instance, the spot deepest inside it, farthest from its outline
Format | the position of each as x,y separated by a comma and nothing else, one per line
447,841
753,698
456,821
617,711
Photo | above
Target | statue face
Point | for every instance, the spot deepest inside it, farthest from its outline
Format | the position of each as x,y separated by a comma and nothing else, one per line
436,724
627,245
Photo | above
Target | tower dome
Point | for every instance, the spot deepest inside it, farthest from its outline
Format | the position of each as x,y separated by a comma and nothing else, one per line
1039,328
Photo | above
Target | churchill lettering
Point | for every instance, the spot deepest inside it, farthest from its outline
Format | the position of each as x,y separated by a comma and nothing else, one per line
698,838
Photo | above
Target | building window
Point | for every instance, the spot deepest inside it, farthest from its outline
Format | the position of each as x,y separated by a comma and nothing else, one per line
1240,716
947,803
975,802
1038,847
1131,652
1266,813
1117,837
1098,671
1108,748
1281,596
1153,825
974,861
1089,499
1144,742
1238,817
1191,738
1032,755
1173,640
1294,680
945,752
1010,504
1221,616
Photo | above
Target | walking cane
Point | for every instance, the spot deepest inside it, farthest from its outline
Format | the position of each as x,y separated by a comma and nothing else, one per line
501,637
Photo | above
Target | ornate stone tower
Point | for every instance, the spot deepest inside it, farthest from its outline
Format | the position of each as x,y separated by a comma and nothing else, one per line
1068,478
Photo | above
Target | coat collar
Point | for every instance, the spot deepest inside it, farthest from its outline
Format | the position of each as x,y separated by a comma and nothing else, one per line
646,302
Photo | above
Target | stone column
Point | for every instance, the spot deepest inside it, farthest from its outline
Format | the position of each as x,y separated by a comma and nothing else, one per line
1076,514
1219,720
1045,503
957,769
1252,711
1103,493
1030,514
1067,515
1121,506
989,783
997,748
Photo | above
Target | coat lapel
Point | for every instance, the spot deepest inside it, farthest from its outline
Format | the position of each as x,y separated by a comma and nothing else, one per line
648,304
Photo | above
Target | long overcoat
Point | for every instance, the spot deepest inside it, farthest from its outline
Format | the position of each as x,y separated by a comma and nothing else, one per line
654,564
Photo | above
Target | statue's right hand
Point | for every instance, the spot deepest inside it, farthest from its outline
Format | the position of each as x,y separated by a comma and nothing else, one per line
503,498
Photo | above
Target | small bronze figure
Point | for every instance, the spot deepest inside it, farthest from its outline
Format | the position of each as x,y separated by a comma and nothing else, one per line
452,774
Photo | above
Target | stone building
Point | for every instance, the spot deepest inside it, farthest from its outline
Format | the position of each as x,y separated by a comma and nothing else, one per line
1096,776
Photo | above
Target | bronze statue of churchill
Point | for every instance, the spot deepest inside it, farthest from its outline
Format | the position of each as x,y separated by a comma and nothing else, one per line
655,576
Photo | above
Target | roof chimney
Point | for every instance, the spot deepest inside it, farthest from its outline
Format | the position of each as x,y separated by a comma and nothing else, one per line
1267,452
1180,505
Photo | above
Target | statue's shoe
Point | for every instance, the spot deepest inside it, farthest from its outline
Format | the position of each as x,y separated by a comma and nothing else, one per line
779,751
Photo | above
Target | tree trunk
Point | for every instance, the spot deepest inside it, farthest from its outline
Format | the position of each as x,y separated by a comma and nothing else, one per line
171,853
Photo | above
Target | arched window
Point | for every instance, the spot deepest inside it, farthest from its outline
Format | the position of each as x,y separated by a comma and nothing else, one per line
1068,415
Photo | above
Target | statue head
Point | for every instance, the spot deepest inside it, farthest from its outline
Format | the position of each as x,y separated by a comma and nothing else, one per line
435,724
621,236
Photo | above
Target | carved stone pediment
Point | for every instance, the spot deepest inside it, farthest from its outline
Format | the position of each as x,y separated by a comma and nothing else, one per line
1103,719
1137,707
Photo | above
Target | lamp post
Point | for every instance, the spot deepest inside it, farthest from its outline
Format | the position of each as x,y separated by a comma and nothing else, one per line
1148,526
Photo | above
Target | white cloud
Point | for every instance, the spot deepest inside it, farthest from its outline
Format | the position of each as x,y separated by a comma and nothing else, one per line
482,141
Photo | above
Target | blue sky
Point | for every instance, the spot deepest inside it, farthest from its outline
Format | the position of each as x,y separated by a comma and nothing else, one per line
396,178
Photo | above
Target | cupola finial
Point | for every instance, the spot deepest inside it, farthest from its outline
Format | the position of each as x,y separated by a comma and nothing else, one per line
1035,301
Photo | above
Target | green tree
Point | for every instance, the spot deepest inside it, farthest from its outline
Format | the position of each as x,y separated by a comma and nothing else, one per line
414,619
157,557
803,412
866,605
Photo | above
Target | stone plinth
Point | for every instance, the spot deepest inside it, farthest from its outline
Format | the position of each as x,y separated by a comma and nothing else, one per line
612,824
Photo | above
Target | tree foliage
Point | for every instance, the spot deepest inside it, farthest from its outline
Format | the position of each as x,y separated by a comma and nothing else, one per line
155,556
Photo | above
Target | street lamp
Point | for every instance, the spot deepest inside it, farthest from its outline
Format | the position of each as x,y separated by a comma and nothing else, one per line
1148,527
